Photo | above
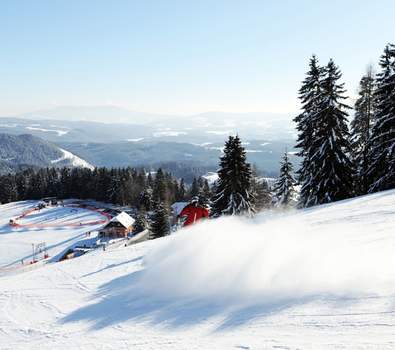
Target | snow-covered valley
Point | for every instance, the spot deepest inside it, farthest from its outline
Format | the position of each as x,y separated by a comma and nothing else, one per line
321,278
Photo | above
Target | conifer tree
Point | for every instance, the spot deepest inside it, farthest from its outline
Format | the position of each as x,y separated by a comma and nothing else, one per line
160,191
181,191
8,189
205,193
381,172
361,130
150,180
38,184
160,226
146,199
114,190
23,185
141,223
331,167
285,185
309,95
233,191
195,188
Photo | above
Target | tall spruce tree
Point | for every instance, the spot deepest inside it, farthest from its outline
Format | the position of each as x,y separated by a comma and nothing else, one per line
146,199
160,192
233,191
361,130
160,225
205,193
381,173
195,188
181,192
309,95
285,185
141,223
331,167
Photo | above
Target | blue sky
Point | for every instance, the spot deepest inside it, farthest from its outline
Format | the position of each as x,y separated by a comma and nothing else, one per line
181,56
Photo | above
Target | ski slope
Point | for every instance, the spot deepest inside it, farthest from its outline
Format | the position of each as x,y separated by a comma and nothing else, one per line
322,278
73,159
59,227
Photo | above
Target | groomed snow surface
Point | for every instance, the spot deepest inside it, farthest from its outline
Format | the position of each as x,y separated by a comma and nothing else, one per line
59,227
322,278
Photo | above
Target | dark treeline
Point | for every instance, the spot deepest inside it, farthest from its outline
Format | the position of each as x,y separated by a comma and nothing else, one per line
238,191
123,186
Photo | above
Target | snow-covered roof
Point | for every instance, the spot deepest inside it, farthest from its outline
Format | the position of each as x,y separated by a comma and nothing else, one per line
124,219
178,206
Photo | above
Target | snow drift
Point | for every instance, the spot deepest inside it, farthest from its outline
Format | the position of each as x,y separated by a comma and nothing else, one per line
344,249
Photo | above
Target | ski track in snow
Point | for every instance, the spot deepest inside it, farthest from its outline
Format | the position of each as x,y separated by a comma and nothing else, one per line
103,301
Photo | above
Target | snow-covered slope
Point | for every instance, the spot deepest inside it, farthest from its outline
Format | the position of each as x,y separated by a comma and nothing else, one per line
59,227
26,150
70,159
322,278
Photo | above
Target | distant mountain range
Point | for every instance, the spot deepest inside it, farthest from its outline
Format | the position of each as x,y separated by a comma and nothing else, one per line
85,124
25,150
114,114
102,114
143,139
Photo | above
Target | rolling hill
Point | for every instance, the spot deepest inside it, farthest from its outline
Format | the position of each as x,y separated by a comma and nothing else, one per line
18,151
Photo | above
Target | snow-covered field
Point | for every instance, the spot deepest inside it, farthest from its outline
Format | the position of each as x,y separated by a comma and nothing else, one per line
322,278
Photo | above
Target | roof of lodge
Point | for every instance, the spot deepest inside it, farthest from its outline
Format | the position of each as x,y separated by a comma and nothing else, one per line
124,219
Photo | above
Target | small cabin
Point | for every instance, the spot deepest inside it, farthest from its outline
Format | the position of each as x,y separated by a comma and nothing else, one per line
118,227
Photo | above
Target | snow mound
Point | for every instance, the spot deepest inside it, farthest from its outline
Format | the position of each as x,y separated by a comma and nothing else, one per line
344,249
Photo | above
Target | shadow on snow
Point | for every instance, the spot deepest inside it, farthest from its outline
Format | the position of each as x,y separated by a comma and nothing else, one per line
120,300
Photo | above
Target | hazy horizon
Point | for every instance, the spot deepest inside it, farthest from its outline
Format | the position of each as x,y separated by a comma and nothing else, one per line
120,115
